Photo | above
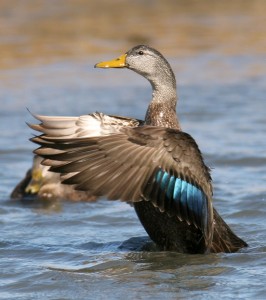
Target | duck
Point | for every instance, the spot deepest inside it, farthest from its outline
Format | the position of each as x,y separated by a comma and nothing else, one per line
41,184
150,163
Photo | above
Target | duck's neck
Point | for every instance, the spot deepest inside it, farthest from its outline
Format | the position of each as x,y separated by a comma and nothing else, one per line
162,108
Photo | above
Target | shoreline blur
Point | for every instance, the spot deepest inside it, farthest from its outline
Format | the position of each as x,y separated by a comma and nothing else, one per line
35,32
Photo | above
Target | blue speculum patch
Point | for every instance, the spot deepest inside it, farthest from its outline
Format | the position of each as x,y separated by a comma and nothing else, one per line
186,198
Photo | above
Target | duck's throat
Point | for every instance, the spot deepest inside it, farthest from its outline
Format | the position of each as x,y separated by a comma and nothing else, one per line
162,114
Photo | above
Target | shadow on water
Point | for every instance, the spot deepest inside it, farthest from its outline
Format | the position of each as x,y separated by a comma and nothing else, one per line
108,260
155,274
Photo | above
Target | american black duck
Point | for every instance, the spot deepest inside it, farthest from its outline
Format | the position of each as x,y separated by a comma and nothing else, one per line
41,184
151,163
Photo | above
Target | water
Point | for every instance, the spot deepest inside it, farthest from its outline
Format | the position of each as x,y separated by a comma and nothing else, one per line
65,250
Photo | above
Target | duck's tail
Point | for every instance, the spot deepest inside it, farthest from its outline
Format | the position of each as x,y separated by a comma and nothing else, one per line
224,239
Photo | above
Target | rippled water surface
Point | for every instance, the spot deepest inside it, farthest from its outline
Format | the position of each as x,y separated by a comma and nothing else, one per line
66,250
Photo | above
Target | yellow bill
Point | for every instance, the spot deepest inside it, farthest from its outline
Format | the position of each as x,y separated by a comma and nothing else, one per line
36,182
119,62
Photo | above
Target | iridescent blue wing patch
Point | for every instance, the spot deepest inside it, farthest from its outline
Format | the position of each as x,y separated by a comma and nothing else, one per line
178,197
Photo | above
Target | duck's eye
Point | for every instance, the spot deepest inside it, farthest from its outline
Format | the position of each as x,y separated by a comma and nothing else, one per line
140,52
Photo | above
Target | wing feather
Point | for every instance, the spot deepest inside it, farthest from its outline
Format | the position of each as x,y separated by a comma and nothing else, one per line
160,165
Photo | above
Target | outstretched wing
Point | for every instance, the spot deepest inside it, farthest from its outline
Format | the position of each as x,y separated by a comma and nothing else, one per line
95,124
156,164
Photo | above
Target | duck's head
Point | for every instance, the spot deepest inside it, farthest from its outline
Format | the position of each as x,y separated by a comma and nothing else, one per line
147,62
